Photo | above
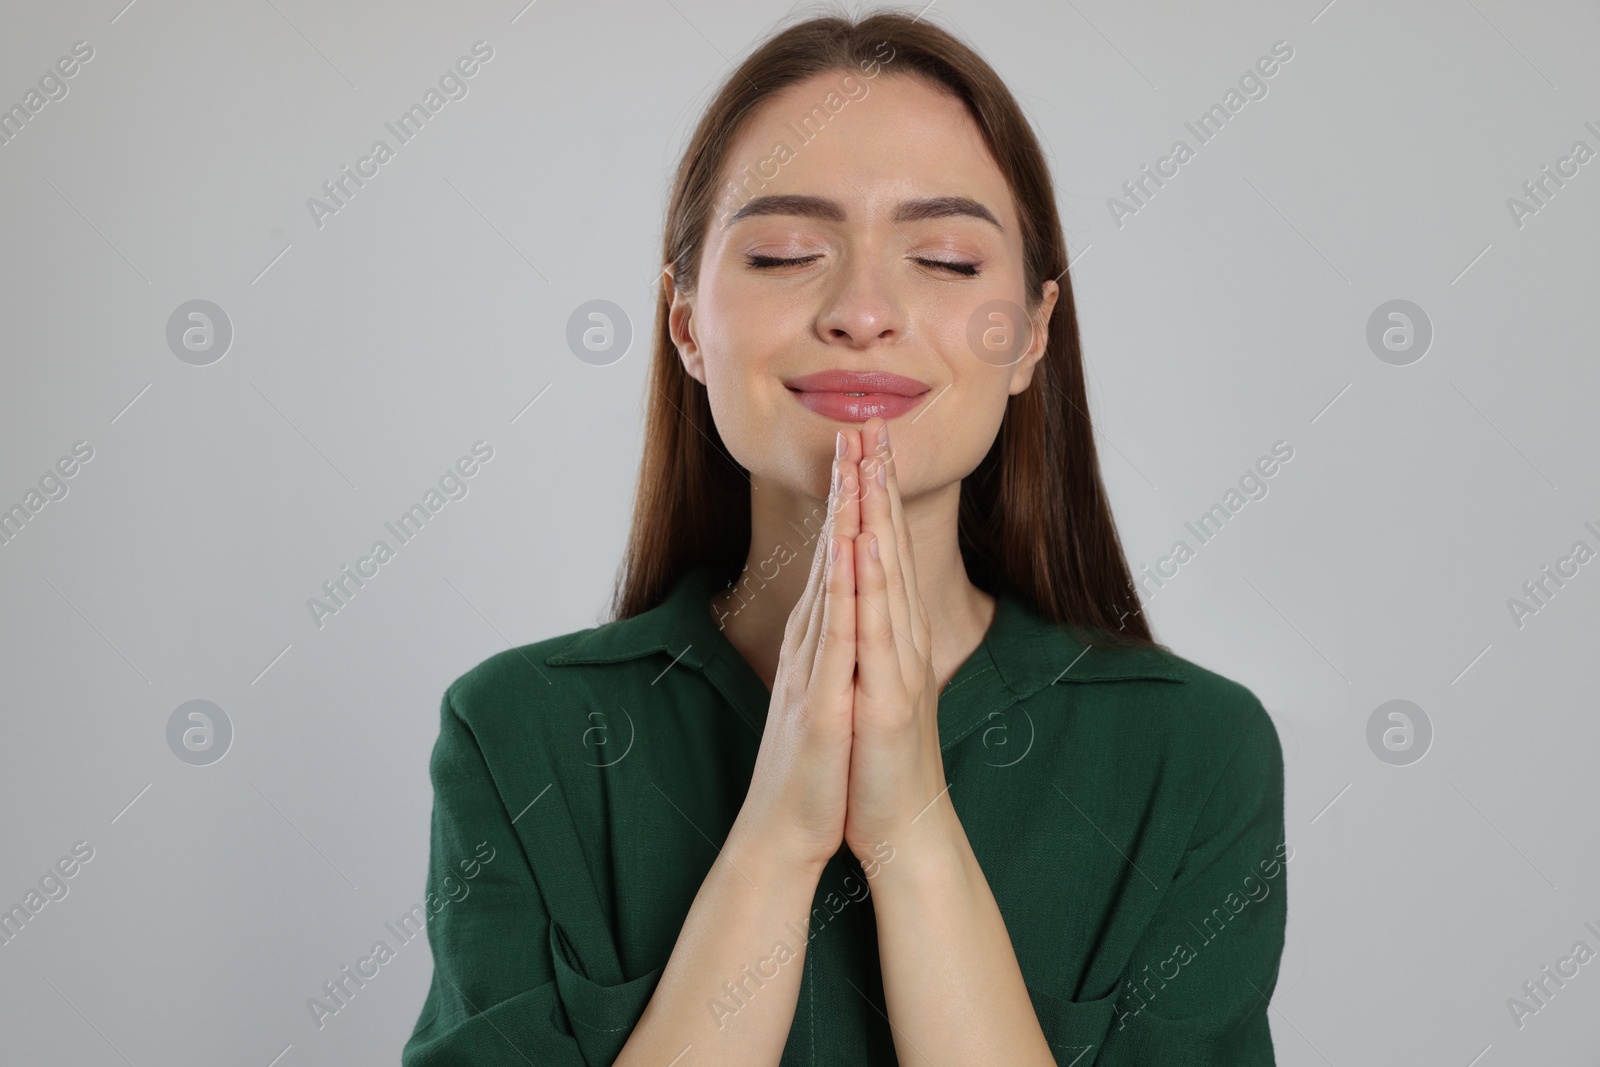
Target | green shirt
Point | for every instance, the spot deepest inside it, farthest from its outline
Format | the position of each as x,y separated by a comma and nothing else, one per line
1125,806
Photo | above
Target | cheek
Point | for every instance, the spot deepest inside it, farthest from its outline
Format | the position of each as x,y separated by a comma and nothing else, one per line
726,356
728,387
745,398
950,441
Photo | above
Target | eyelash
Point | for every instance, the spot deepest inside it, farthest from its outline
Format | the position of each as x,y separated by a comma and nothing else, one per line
966,270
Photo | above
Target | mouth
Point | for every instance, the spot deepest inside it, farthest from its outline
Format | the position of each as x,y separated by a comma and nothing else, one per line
856,396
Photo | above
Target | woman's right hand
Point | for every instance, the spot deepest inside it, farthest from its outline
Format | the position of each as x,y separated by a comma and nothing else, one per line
797,797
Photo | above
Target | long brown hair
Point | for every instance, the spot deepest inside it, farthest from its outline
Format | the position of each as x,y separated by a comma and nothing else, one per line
1034,514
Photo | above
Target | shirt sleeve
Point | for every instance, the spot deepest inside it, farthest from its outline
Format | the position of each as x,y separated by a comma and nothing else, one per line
1197,987
505,992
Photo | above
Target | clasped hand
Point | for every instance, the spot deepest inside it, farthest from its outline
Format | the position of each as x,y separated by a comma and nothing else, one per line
896,775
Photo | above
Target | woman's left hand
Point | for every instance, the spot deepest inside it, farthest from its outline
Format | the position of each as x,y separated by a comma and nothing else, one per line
896,770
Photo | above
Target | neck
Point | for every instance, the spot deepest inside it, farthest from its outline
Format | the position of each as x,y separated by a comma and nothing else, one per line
787,526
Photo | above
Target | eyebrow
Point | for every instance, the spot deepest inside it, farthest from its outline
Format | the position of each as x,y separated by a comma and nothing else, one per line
818,207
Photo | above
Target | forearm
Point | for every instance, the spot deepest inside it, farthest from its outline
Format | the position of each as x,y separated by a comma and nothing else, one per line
730,987
954,992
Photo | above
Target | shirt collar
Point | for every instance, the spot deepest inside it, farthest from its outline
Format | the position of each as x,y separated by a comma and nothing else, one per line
1021,653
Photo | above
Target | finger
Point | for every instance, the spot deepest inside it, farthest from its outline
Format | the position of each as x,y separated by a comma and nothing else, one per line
847,522
879,676
879,520
816,587
921,624
834,663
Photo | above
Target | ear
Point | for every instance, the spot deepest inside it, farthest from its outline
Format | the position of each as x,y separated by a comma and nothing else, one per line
1022,375
680,326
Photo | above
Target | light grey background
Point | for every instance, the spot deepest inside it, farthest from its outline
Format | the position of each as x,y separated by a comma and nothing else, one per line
1228,313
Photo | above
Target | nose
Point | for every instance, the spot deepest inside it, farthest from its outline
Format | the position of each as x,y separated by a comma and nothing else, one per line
862,308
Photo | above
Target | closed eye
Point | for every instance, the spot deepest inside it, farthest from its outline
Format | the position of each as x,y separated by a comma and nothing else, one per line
966,270
969,270
759,261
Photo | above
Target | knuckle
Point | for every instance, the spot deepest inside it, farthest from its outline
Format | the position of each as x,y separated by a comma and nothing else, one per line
836,630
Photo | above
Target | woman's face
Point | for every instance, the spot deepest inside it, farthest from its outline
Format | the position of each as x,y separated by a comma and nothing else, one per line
885,244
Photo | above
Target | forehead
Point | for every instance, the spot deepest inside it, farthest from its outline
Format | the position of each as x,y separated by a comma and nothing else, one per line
865,141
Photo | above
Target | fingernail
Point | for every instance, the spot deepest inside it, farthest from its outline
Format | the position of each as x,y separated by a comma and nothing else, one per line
883,437
883,474
833,549
873,547
838,445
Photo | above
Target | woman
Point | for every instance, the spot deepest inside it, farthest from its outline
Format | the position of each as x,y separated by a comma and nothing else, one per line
878,761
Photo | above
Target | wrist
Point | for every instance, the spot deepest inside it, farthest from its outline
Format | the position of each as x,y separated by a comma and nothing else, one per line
932,849
783,855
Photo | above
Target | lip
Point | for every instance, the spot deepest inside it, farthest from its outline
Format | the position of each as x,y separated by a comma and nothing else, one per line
883,395
853,381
